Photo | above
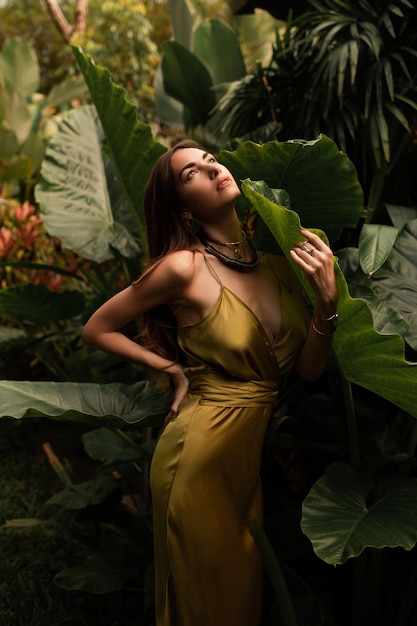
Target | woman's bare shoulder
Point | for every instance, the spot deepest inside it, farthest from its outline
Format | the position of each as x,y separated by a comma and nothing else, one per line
181,262
177,266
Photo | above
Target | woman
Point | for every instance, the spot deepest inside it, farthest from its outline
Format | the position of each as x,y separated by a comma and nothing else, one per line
224,321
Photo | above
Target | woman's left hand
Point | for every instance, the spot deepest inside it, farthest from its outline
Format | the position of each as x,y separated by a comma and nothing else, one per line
315,258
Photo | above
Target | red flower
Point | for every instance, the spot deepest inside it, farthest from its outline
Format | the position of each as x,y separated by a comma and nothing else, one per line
6,241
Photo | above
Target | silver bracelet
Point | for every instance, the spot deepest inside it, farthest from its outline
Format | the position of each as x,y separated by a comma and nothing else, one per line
320,333
327,319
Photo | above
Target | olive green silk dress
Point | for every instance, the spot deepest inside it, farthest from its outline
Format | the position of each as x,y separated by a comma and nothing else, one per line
205,471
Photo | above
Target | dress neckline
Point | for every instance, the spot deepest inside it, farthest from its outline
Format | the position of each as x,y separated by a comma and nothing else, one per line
223,289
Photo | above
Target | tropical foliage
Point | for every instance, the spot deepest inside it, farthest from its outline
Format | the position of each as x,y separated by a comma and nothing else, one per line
23,240
355,68
127,50
339,466
343,68
29,20
117,35
346,444
27,118
193,64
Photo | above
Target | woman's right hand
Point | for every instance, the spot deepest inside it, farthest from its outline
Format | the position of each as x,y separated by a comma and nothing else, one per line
181,385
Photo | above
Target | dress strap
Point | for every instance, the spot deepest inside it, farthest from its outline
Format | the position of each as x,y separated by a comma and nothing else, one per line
211,268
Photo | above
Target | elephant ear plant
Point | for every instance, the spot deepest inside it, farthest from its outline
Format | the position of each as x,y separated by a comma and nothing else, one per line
193,64
26,121
90,193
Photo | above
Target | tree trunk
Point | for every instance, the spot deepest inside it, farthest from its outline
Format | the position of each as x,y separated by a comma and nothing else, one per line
61,22
81,12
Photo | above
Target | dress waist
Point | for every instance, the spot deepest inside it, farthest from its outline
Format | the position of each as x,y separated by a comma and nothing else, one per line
216,389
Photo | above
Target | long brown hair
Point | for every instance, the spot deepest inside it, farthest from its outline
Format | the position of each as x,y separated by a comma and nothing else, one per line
167,232
166,228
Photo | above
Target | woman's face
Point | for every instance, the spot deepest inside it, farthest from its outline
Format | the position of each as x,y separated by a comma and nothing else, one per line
205,186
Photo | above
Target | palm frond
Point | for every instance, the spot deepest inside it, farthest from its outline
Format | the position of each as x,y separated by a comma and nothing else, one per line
399,115
411,103
387,69
353,57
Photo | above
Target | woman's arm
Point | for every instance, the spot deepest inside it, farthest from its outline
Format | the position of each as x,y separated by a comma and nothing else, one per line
162,285
315,258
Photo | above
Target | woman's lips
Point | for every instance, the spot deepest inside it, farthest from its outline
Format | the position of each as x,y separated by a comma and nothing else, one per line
224,182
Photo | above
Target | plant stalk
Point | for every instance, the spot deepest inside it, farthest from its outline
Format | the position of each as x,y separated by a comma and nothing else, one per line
351,421
273,567
375,192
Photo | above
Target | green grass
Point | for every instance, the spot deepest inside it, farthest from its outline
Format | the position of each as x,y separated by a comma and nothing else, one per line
31,556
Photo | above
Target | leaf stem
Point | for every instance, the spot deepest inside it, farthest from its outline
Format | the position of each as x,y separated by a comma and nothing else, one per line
273,567
375,192
351,420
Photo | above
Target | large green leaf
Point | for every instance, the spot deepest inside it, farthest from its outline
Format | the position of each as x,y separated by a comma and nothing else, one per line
88,493
17,168
187,79
183,16
37,305
169,110
348,510
214,42
65,92
75,189
386,320
257,33
103,444
101,573
129,141
34,149
19,66
366,357
18,116
9,144
320,180
375,244
111,404
400,215
395,283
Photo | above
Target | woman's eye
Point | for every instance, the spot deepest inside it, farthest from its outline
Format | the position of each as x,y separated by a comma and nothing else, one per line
212,160
191,173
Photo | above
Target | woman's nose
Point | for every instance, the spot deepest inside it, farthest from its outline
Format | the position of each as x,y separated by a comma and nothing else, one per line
214,170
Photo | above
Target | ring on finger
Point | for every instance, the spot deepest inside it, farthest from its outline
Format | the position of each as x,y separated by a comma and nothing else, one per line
308,250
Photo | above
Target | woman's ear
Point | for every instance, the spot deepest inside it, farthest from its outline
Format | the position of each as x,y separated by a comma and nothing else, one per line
191,223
